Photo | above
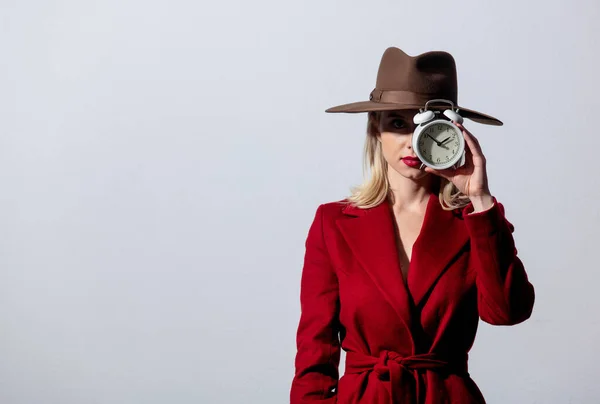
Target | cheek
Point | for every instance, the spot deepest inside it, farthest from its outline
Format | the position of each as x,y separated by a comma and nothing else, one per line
392,146
387,149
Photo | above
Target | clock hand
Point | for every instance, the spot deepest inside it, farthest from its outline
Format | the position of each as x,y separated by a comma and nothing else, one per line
445,140
438,143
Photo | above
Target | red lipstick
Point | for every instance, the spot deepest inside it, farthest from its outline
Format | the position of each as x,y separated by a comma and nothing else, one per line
411,161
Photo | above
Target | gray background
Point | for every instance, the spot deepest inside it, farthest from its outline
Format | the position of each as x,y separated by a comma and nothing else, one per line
161,162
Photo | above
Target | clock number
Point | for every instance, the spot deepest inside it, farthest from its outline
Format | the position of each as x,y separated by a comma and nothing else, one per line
456,143
439,127
438,160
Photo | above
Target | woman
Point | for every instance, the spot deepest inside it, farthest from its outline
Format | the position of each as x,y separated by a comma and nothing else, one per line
399,274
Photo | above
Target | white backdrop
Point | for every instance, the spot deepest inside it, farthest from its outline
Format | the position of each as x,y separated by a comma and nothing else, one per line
161,162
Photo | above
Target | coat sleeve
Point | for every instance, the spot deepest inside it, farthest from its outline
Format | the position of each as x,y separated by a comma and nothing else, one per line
317,339
504,294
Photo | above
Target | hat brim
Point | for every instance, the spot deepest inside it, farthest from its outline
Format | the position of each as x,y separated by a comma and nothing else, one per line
369,106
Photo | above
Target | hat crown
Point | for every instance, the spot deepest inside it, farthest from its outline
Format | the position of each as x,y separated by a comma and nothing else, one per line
410,82
432,74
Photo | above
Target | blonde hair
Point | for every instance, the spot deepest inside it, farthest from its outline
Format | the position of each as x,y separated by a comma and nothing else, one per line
375,189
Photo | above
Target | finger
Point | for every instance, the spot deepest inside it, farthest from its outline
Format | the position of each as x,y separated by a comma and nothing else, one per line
472,143
468,133
461,126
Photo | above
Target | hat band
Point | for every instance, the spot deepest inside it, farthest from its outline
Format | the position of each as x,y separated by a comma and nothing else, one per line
406,97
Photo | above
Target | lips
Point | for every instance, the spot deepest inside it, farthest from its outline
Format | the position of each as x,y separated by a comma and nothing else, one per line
411,161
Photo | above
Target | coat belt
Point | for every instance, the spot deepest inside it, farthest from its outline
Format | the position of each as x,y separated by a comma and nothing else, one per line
402,372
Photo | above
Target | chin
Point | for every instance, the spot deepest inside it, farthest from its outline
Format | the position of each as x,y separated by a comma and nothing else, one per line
410,172
418,176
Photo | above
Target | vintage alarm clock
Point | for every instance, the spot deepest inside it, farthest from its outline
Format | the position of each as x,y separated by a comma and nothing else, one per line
438,142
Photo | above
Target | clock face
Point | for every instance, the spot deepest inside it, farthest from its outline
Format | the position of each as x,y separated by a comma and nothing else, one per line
440,144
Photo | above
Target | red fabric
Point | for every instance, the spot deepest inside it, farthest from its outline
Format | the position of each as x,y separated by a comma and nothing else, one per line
406,342
397,369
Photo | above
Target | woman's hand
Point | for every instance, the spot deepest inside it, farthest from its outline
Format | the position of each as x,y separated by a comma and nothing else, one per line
470,179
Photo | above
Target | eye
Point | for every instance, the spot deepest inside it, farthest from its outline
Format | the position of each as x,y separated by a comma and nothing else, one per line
398,124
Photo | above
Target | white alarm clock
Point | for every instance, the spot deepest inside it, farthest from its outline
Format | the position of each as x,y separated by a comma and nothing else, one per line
438,142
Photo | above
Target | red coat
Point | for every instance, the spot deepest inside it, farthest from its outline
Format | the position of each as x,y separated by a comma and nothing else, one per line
404,343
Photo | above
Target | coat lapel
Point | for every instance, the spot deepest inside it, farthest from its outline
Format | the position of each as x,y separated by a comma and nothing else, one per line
443,235
370,235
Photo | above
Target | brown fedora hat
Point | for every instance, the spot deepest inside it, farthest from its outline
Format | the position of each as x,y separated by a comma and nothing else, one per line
408,82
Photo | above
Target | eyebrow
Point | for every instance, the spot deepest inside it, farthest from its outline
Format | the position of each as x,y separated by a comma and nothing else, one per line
396,115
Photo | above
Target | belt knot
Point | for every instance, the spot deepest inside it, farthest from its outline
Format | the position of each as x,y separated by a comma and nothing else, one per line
402,372
382,367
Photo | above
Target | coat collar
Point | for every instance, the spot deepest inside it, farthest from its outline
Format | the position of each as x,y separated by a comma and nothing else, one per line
370,233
